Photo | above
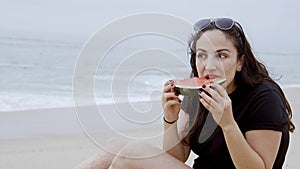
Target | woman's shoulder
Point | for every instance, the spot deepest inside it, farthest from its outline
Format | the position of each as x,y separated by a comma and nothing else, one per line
247,91
266,86
267,98
265,108
264,95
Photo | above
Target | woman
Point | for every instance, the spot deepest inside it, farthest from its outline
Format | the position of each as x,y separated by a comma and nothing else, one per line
252,117
252,113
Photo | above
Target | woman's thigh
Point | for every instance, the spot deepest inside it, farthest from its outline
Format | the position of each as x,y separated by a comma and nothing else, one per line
105,155
144,156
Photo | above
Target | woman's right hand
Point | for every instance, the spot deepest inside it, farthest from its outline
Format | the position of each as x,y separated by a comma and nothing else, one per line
170,102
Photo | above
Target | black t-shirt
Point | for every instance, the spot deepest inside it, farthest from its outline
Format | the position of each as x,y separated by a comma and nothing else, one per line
254,109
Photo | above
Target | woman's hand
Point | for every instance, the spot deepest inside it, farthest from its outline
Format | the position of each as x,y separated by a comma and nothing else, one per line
218,103
170,102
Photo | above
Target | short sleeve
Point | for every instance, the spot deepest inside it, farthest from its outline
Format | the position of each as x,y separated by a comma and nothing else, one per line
267,111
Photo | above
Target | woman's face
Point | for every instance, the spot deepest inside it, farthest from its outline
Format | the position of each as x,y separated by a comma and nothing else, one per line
216,58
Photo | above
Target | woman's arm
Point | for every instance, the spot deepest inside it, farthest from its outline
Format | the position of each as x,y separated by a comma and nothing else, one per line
173,136
173,133
257,150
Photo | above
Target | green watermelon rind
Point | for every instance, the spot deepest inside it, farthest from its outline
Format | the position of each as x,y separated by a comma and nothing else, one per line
191,91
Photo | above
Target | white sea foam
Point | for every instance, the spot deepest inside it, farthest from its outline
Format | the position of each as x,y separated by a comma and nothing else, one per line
37,70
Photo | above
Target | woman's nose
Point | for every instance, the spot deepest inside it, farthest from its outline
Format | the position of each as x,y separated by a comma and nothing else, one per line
211,63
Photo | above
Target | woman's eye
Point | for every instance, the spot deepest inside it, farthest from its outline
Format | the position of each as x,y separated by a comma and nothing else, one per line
200,56
221,56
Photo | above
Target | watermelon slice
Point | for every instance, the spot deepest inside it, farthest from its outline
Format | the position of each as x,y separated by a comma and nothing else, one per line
191,86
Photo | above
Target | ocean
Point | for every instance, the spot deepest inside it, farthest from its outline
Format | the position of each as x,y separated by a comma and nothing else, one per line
37,69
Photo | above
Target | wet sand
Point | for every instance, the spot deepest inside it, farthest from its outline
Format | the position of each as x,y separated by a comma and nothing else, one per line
54,138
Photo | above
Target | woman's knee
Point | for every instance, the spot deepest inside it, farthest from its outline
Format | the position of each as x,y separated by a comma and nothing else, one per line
105,155
113,146
139,149
133,153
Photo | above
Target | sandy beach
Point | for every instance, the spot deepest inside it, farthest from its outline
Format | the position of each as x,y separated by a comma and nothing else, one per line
54,139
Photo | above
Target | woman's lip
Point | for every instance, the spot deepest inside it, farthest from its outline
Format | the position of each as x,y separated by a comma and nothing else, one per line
211,76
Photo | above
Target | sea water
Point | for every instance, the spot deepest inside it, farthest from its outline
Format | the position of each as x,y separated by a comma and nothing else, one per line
37,69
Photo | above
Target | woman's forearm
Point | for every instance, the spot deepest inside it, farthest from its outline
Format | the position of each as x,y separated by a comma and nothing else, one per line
172,142
242,155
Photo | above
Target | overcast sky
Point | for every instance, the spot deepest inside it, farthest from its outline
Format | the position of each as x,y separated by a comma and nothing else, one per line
264,21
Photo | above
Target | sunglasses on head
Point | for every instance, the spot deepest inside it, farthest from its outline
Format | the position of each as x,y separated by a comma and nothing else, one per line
221,23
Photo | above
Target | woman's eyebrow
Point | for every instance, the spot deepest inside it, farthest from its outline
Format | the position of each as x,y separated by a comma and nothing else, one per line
220,50
201,50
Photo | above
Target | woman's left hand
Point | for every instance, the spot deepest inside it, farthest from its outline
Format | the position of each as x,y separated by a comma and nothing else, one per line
218,104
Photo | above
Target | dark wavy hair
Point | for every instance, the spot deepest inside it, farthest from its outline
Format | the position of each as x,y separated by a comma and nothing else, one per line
253,72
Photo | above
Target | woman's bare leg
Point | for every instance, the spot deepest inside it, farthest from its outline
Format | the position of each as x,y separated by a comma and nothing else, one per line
105,156
143,156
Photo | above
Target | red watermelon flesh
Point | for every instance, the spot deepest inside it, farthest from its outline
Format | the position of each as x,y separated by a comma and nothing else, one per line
194,82
191,86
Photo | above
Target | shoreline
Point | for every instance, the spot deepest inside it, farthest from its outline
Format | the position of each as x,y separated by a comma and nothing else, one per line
53,138
68,102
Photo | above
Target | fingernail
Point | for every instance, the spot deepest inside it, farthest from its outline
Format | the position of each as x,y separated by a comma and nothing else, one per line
203,86
199,92
179,100
171,81
172,85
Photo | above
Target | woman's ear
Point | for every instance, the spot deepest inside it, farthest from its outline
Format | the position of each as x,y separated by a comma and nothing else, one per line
240,64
